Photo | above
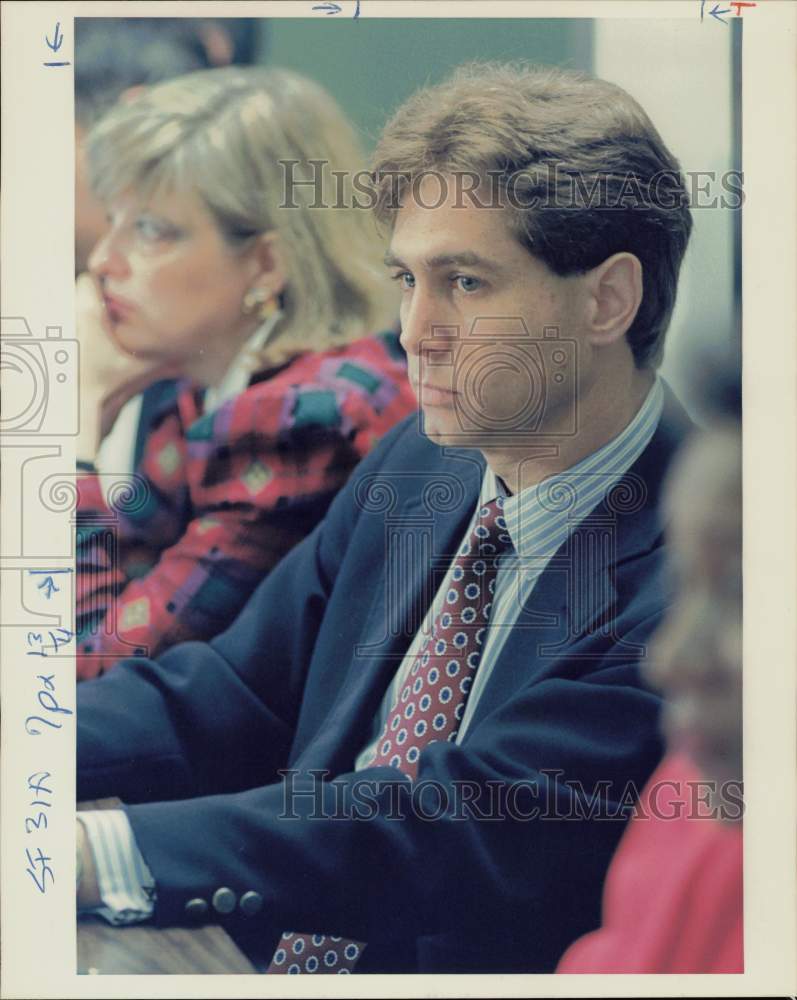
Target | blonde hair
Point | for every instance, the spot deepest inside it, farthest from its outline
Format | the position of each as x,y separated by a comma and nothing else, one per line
227,135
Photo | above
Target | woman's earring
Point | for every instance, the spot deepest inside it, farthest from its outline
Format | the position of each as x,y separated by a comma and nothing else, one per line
258,302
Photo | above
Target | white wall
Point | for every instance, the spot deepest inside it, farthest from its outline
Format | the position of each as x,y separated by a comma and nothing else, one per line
680,72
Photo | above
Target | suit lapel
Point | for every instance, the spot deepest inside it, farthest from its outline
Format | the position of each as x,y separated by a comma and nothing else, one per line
435,494
422,531
576,596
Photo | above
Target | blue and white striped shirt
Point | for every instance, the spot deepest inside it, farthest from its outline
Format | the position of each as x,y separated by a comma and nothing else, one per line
125,882
538,523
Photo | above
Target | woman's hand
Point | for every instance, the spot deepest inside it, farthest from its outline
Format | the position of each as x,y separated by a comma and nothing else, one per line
109,377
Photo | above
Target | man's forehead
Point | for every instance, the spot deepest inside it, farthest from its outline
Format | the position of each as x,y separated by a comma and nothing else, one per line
432,235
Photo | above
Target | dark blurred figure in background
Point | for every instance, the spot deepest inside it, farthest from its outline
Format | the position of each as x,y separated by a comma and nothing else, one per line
673,895
116,56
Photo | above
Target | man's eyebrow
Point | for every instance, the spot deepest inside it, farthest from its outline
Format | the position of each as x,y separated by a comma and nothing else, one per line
391,260
465,258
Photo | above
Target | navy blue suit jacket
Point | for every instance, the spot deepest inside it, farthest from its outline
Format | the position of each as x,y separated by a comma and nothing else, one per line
195,742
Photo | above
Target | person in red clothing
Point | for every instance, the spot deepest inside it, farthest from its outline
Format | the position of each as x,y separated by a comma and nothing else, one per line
231,377
673,894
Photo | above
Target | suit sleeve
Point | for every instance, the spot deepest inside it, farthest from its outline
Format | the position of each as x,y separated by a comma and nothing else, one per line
518,822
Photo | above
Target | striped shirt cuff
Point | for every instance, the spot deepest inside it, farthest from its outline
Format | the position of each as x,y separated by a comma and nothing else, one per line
127,888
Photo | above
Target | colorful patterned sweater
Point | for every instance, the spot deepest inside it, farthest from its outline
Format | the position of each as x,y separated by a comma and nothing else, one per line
219,498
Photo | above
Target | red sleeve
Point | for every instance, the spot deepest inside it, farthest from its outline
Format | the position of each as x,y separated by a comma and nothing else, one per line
120,538
673,894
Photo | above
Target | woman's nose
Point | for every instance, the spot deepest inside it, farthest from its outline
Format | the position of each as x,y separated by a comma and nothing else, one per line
684,647
106,259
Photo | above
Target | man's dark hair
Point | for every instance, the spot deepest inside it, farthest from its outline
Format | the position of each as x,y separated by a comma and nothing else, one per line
577,165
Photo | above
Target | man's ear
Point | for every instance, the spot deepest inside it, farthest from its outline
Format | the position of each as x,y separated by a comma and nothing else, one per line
615,289
268,269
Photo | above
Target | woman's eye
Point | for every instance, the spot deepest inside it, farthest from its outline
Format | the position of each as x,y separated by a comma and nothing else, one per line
153,230
467,283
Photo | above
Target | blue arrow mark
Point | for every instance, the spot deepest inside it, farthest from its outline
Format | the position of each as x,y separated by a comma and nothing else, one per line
58,39
328,8
715,12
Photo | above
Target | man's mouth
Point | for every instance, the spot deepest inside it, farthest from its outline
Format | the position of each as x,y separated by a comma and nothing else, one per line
433,395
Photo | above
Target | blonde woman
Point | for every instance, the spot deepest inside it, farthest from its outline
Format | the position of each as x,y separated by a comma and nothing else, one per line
249,318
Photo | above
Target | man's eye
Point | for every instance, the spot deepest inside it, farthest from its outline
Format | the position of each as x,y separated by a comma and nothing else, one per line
467,283
404,278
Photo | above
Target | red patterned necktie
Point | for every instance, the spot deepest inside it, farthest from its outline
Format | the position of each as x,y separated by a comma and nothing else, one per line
429,707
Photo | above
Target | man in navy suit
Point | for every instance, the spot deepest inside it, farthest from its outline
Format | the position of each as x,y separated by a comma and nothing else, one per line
415,748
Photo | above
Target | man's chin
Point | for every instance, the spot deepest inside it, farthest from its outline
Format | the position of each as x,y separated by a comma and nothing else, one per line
446,436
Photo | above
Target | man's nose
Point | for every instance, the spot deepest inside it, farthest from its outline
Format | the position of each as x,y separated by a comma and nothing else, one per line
423,322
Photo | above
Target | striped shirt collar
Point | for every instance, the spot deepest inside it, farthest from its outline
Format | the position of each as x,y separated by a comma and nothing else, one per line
540,517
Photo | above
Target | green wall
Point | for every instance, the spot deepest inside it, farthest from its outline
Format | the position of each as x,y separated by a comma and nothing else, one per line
371,65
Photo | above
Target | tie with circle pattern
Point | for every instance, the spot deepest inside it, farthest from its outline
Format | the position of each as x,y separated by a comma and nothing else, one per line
429,707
